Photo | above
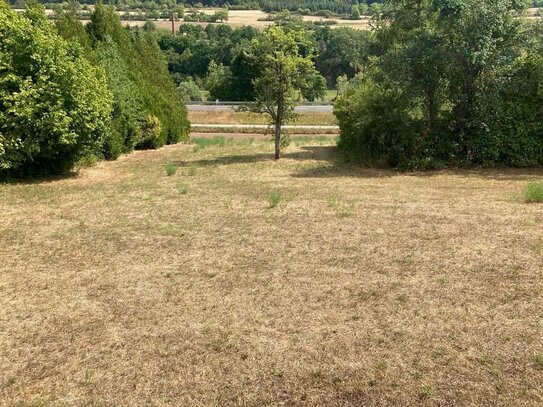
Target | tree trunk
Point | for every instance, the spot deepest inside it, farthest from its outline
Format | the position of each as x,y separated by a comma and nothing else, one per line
278,124
277,140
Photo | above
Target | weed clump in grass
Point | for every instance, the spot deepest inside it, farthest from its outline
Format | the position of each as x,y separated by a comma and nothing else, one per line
425,391
332,201
171,169
192,171
343,209
182,188
274,198
533,192
538,360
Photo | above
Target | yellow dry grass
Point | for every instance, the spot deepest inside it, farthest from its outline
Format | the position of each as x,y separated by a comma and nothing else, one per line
233,117
122,286
256,18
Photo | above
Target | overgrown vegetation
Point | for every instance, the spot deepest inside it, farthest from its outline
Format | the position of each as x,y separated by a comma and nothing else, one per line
76,91
533,192
55,106
452,83
274,198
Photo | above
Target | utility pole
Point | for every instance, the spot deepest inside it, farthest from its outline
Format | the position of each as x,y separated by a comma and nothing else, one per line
173,18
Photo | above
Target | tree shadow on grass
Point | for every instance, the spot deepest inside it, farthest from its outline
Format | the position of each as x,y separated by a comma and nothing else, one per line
226,160
334,164
328,162
306,154
36,179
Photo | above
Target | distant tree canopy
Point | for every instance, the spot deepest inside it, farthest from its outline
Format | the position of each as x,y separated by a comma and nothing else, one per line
217,57
451,83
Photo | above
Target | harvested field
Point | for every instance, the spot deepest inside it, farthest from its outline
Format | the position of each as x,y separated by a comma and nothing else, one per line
254,18
242,281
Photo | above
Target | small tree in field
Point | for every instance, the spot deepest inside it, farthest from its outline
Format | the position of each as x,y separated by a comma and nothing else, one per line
285,59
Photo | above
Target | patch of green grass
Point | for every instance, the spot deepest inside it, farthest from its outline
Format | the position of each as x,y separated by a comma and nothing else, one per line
425,391
533,192
332,201
538,360
182,188
484,359
170,230
192,171
88,376
345,210
206,142
171,169
274,198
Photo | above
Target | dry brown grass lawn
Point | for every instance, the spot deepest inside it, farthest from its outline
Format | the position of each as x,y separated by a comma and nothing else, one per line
122,286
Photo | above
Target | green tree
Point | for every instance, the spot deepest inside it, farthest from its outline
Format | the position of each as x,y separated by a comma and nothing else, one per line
190,91
222,15
145,67
284,71
54,105
342,84
218,82
455,82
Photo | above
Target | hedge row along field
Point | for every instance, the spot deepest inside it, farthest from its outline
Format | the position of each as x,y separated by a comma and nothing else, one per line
452,83
70,93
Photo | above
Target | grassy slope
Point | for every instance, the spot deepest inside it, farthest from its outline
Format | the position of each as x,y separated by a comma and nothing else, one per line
361,287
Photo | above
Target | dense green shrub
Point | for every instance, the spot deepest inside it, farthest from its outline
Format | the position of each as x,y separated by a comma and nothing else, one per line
127,103
452,84
54,105
138,78
151,133
159,92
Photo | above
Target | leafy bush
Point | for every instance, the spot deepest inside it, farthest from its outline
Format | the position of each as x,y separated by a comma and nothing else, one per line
145,96
54,105
190,91
150,133
126,131
425,102
171,169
